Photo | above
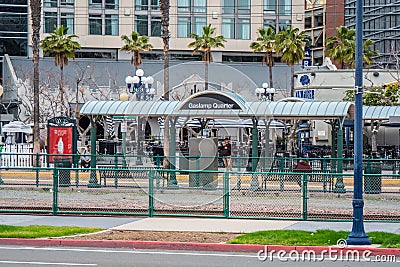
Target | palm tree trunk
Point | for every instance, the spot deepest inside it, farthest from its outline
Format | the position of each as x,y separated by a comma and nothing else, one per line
164,7
206,75
60,87
292,81
271,83
36,13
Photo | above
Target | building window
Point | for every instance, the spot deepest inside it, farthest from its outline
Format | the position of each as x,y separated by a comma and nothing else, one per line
106,4
285,7
155,26
95,24
236,19
67,20
111,25
283,24
67,3
50,3
141,24
144,4
184,27
50,21
270,23
110,22
269,6
187,21
236,6
199,23
57,13
228,28
243,29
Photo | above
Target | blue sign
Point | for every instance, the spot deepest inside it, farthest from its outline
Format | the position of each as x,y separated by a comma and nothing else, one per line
305,80
306,94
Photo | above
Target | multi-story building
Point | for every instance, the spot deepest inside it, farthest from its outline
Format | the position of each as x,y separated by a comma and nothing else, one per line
13,28
100,23
321,18
381,25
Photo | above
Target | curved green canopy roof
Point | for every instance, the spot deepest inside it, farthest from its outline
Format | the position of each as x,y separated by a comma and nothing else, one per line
236,107
380,112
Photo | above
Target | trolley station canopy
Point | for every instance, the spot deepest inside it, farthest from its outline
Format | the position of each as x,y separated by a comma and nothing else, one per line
219,104
380,112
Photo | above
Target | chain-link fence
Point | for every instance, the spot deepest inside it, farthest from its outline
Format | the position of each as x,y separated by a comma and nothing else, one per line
282,191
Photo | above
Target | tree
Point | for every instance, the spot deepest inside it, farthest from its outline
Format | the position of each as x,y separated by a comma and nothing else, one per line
61,46
266,43
343,46
36,6
290,45
136,44
204,43
164,7
387,95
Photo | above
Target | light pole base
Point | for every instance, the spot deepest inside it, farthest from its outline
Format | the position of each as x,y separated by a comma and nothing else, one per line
358,240
254,185
93,180
339,186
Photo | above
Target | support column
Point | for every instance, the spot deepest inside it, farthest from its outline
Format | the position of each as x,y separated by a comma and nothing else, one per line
93,178
339,186
138,142
254,154
172,182
333,152
123,131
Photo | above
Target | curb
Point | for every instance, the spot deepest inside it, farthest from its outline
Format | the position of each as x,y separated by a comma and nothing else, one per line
260,249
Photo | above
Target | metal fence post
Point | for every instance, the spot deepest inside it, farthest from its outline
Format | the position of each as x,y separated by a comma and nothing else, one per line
55,192
226,195
281,177
305,196
77,169
151,193
37,169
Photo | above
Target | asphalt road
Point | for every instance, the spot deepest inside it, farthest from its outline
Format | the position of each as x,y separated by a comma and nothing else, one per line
57,256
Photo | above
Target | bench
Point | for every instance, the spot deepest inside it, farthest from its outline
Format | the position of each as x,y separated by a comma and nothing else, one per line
129,175
314,176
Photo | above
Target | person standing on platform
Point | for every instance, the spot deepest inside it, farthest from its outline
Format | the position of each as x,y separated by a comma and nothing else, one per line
226,152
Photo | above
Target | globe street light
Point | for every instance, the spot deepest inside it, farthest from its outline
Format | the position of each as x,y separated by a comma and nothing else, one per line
265,93
141,87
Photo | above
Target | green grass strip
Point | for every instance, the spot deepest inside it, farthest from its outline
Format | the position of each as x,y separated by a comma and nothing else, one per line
306,238
41,231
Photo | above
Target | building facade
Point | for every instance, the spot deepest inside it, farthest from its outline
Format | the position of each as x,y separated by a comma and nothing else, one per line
100,23
380,24
13,29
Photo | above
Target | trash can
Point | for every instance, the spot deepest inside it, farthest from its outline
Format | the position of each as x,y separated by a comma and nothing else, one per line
64,175
373,184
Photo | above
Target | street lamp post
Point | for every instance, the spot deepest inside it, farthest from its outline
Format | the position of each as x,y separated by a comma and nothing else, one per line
358,235
141,87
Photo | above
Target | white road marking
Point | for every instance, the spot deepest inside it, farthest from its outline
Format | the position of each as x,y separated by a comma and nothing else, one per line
48,263
131,252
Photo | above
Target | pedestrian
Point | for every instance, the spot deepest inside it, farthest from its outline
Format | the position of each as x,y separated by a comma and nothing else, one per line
85,157
225,153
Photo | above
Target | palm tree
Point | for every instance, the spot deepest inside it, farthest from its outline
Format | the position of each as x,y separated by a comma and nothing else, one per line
136,44
204,43
266,43
290,45
36,6
164,8
343,46
61,46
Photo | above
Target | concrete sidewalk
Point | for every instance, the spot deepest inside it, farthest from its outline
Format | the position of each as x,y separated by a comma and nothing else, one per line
190,224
